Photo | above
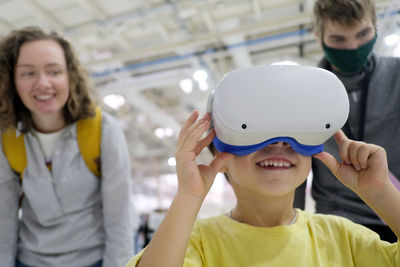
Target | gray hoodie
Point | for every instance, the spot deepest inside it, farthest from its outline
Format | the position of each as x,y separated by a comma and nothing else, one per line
69,216
382,127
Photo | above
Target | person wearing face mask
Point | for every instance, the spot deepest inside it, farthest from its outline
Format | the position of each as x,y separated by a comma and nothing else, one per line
347,32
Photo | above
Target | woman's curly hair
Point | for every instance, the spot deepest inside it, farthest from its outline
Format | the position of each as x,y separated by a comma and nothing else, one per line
12,111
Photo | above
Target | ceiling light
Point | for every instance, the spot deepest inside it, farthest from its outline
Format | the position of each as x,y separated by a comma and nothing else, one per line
392,39
186,85
200,75
168,132
172,161
159,132
396,51
114,101
163,132
203,86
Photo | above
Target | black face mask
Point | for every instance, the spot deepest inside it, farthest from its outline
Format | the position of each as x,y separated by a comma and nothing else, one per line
349,60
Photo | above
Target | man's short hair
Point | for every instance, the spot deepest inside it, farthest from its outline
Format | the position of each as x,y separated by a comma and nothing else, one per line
345,12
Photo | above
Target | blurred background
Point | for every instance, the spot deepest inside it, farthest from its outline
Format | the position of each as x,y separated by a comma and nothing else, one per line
154,61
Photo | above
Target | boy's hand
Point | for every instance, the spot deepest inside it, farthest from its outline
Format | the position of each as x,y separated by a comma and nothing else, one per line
363,168
193,179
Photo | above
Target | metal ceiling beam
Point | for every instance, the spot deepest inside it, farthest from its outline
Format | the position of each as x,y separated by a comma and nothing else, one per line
41,14
157,115
239,54
93,8
132,91
196,41
256,9
208,21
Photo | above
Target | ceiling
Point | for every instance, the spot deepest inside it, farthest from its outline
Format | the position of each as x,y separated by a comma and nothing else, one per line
142,50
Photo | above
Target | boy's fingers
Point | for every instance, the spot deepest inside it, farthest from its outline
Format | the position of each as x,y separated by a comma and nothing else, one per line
363,156
189,122
216,165
354,149
329,161
205,142
190,126
340,137
343,145
194,134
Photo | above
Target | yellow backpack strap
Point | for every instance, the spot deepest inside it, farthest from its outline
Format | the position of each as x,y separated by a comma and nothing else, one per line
89,141
14,150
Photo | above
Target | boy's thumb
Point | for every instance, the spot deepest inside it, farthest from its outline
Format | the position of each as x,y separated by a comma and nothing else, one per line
220,160
329,160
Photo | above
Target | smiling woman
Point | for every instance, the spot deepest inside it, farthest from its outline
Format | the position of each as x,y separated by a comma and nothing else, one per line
69,191
30,54
41,81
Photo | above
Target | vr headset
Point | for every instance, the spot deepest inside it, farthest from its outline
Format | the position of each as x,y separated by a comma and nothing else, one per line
254,107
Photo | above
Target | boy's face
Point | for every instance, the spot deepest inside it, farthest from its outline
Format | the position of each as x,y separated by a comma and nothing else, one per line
274,171
339,36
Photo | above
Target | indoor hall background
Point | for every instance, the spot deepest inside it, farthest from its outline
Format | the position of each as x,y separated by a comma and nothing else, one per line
153,61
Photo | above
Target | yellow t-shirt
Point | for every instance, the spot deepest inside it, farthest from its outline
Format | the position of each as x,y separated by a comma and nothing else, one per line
313,240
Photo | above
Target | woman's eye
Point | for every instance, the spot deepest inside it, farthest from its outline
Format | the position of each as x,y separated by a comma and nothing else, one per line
55,72
28,73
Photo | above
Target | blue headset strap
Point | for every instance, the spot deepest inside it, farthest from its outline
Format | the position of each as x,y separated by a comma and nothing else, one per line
305,150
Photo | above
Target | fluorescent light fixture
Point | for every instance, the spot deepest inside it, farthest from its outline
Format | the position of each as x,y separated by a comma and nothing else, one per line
200,75
392,39
396,51
114,101
172,161
159,132
168,132
203,86
163,132
186,85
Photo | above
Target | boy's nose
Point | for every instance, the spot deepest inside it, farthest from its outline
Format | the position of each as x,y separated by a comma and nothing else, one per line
280,144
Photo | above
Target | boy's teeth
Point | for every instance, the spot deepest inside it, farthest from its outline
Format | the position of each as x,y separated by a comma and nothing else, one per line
275,164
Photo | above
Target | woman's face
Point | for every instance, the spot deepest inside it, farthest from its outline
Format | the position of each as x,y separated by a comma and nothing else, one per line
41,78
275,171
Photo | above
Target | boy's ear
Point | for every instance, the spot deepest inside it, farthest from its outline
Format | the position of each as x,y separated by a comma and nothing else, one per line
223,169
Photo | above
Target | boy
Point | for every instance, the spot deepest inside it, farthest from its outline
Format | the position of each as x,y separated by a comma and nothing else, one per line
264,229
346,30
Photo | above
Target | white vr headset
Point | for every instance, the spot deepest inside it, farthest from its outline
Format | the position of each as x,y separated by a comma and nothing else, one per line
254,107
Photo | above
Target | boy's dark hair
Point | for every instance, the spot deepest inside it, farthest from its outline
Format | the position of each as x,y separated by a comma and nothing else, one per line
12,111
345,12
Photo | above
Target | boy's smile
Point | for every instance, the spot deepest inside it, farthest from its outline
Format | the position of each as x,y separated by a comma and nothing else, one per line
275,170
275,163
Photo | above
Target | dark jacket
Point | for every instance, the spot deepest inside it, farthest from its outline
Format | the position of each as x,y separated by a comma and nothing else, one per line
382,127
